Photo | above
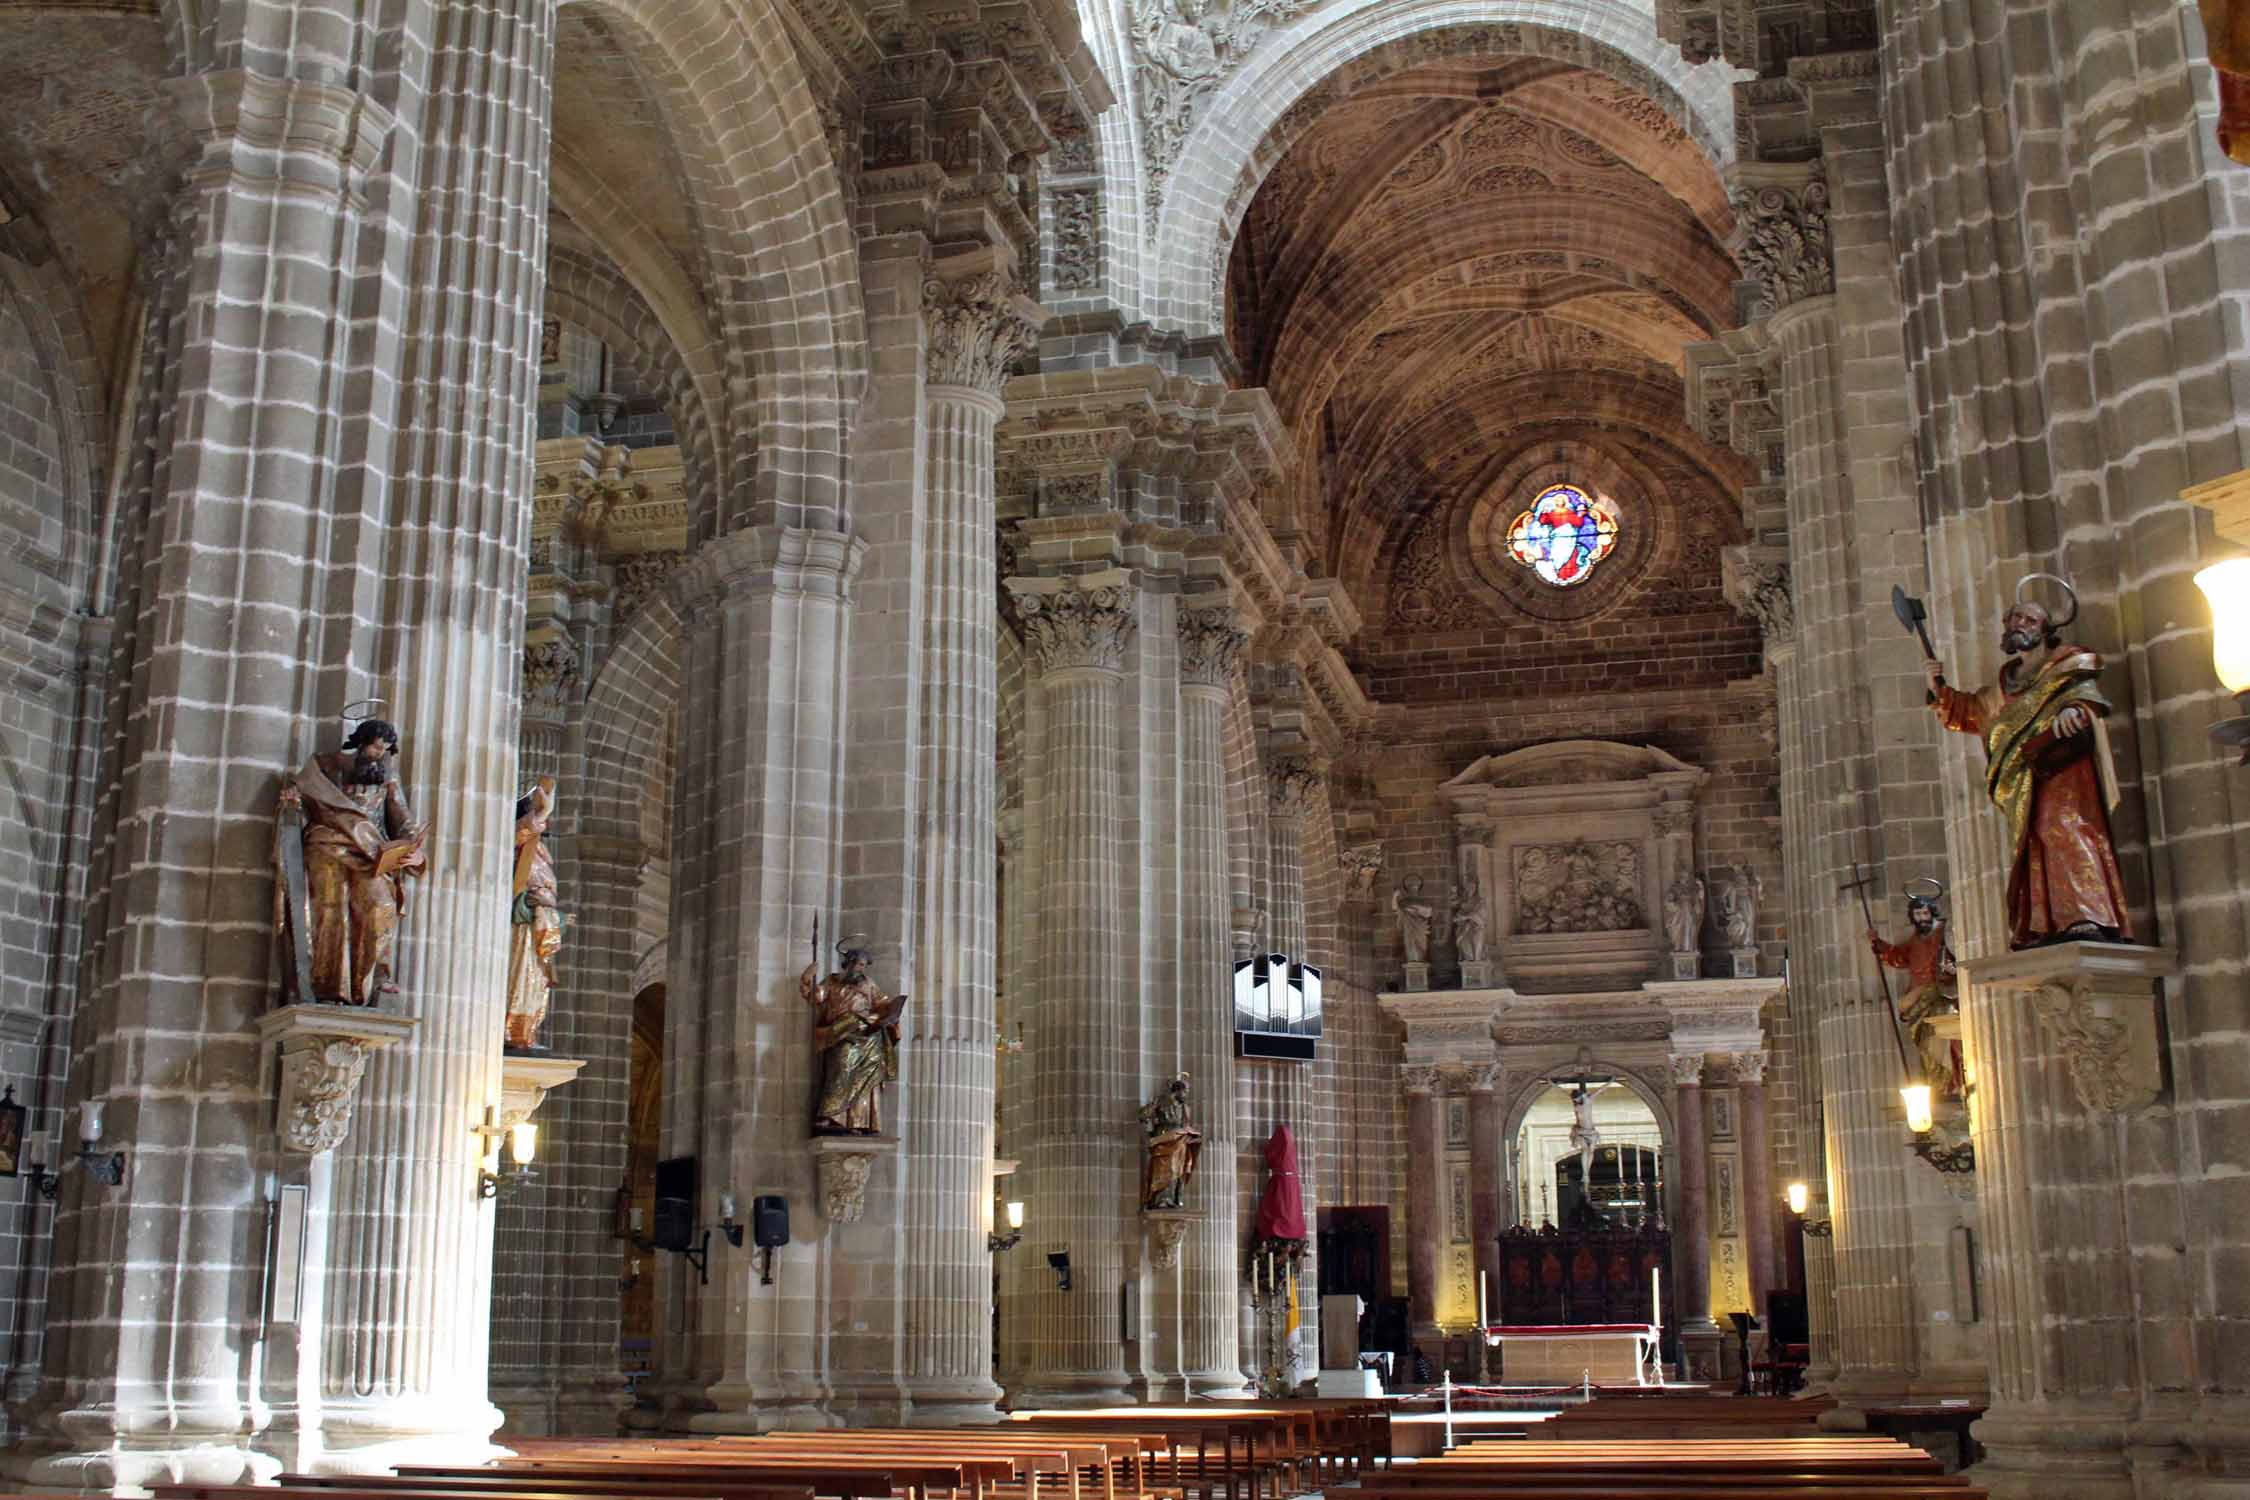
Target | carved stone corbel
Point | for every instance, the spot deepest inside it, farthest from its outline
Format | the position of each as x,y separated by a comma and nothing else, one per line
322,1052
1167,1230
843,1164
2098,1002
525,1083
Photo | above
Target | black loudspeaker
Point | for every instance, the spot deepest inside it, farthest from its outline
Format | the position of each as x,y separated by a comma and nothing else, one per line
1786,1320
675,1204
769,1222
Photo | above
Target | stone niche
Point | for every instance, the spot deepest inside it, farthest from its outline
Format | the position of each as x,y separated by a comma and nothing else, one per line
1574,846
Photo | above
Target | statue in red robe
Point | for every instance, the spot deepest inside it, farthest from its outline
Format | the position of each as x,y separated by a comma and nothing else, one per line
1931,1007
2048,771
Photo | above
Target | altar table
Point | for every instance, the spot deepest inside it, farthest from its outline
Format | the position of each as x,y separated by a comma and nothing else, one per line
1563,1353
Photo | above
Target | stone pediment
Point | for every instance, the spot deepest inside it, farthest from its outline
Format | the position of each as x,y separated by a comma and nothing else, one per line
1570,763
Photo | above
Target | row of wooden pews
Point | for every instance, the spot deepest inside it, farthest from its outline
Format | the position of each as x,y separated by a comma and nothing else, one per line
1215,1452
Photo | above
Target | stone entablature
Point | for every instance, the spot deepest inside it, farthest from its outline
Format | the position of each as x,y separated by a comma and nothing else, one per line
1455,1030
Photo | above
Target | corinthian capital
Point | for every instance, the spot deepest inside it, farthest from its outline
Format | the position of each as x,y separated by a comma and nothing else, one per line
1076,622
1210,646
1781,234
1291,781
978,323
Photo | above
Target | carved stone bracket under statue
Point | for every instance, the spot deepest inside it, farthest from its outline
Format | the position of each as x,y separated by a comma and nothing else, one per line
323,1054
2098,1002
525,1083
1167,1229
843,1163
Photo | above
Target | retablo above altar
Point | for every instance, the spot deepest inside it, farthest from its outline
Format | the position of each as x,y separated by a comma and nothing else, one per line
1571,847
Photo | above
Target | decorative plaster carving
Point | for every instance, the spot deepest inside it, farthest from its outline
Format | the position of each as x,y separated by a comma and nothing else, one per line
1211,646
1076,626
1781,241
977,326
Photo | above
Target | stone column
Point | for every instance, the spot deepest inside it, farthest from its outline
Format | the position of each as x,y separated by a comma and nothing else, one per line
1691,1221
409,1285
1211,646
977,319
1487,1154
1424,1157
1079,1165
1287,1093
1757,1175
1820,1299
176,970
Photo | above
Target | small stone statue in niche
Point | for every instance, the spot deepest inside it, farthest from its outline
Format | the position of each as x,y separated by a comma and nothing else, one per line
345,844
1415,914
1738,908
855,1031
1932,997
1173,1147
1468,916
2048,770
535,920
1684,906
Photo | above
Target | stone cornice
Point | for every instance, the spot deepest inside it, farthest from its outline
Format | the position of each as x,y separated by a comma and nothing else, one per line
761,559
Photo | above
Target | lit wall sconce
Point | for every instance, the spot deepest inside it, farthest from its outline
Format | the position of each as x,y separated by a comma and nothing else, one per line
1059,1260
39,1163
523,1149
1921,1115
698,1255
1800,1198
105,1167
996,1242
729,1225
2227,586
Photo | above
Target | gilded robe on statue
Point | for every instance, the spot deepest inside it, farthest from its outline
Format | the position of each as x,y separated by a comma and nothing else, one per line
361,842
535,920
1174,1147
1932,998
2053,789
855,1031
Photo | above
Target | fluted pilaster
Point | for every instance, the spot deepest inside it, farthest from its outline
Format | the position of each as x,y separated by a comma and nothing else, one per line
1211,646
1691,1243
1080,1164
1423,1158
1757,1175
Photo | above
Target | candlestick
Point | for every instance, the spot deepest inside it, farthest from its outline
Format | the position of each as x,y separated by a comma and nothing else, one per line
1482,1320
1656,1296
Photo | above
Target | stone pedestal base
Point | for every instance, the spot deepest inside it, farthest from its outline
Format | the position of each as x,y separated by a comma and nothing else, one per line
1743,962
1687,966
1417,977
323,1052
526,1081
843,1164
1699,1353
2097,1001
1476,974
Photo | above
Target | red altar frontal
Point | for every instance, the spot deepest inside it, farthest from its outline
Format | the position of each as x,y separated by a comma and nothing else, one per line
1567,1353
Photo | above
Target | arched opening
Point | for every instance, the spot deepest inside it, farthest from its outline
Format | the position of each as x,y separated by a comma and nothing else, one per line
644,1142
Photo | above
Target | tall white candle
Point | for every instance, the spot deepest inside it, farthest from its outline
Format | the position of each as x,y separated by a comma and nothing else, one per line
1656,1295
1483,1322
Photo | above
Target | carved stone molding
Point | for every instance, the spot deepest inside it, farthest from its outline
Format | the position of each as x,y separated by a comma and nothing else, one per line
1079,623
977,326
1363,867
2098,1002
1078,239
1687,1070
842,1164
1483,1080
1167,1231
1182,53
323,1052
1211,645
1419,1079
1781,235
1756,582
1748,1067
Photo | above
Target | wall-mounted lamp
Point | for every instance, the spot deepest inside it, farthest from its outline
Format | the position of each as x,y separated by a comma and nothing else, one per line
632,1276
105,1167
2227,586
1921,1115
995,1242
1059,1260
1800,1198
39,1163
523,1148
1819,1229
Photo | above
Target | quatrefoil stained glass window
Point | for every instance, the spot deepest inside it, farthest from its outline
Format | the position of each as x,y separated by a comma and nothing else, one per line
1563,534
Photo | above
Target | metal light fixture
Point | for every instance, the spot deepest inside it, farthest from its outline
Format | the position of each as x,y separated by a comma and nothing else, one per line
523,1146
1059,1262
1800,1198
1961,1156
1819,1229
996,1242
39,1163
2227,586
105,1167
